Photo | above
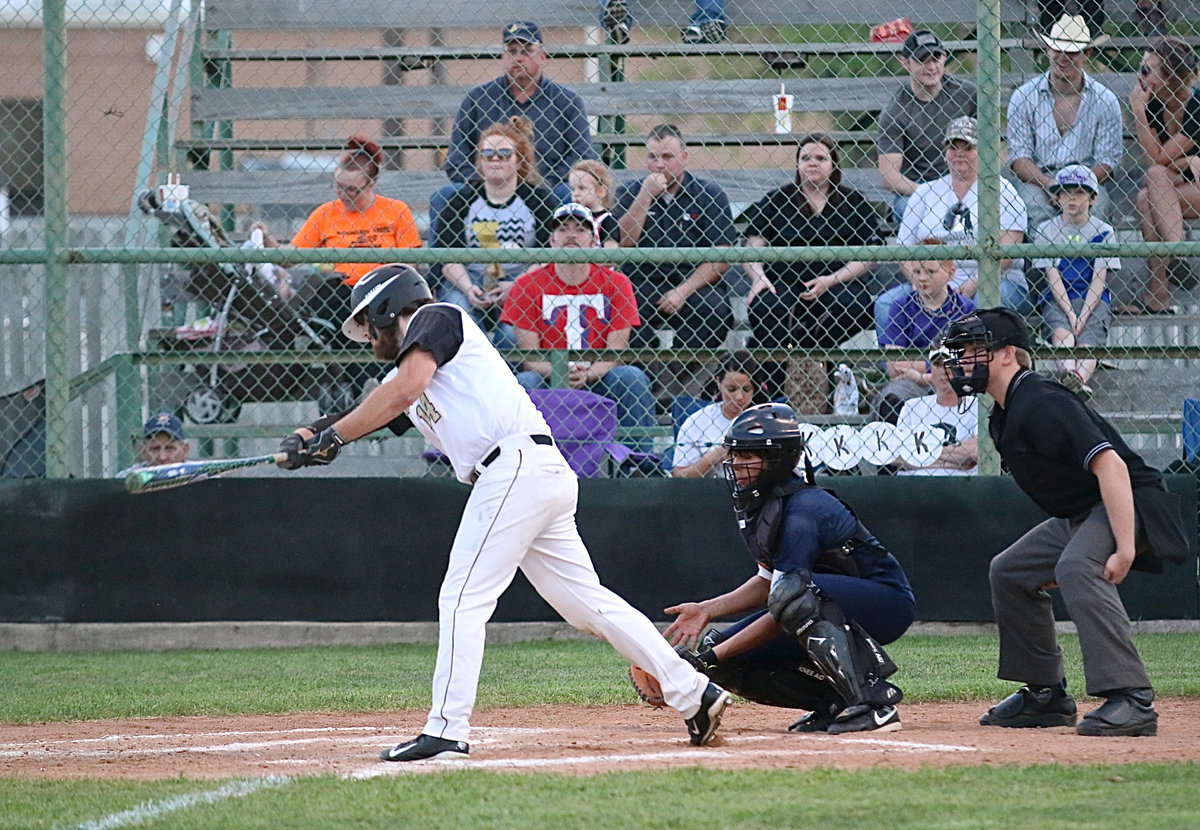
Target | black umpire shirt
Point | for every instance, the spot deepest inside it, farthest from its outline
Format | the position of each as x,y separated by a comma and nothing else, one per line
1047,437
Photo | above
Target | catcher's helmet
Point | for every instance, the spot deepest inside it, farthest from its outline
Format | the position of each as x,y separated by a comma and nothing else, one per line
771,432
382,294
990,329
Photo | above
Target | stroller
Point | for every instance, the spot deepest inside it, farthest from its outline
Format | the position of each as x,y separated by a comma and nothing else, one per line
254,307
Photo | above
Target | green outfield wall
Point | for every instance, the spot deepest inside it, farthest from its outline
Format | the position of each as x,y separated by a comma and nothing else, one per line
375,549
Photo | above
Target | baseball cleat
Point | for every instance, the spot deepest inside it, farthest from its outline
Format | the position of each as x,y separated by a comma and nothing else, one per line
1127,712
427,747
1025,708
866,718
812,722
702,726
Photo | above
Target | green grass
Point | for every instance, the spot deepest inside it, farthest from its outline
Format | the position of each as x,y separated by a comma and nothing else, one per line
74,686
1065,798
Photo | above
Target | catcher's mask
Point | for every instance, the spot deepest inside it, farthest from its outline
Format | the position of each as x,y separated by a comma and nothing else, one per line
764,445
380,297
988,330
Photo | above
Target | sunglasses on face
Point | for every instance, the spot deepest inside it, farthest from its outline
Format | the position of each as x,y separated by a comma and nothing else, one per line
503,153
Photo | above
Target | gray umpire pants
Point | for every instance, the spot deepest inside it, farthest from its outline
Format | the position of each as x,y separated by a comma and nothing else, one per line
1072,554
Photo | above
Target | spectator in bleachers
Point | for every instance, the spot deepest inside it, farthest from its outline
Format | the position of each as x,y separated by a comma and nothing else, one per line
913,123
947,209
956,418
707,24
699,446
580,305
358,218
593,186
163,441
1076,309
508,207
1166,116
1063,117
560,126
815,304
671,208
916,321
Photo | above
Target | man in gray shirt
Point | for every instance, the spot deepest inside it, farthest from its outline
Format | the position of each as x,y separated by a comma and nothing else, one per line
912,127
1063,117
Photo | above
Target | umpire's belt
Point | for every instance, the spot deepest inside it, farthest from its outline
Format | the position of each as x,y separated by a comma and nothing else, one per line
544,440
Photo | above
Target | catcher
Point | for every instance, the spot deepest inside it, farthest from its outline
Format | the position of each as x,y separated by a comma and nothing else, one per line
832,593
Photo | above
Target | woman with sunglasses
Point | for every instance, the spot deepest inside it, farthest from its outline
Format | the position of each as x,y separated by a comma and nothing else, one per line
947,209
1166,117
358,218
506,207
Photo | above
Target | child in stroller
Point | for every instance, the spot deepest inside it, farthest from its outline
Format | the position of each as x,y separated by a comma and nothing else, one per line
257,307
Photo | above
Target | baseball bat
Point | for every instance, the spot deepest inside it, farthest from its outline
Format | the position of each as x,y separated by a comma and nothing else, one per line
164,476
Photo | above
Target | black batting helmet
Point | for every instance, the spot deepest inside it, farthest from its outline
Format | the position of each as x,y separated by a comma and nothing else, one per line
772,432
383,293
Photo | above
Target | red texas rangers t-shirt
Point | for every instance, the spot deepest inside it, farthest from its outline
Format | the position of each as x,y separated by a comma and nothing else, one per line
572,316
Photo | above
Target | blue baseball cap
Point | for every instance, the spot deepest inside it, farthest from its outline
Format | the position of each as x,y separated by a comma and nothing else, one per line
164,422
522,30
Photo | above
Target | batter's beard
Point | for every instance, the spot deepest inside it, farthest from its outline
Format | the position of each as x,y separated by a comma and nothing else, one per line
386,346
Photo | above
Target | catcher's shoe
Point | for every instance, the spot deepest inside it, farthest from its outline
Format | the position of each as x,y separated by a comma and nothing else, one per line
427,747
813,722
702,726
1048,706
866,718
1127,712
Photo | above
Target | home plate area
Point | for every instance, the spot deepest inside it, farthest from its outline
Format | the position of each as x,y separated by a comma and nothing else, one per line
575,740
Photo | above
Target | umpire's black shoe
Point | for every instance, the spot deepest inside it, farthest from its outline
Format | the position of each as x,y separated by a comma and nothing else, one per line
1127,712
1046,706
702,726
426,747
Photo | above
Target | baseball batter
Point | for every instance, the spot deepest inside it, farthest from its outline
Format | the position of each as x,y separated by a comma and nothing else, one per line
452,385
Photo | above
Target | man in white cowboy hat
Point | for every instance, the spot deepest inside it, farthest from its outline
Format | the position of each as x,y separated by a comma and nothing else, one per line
1063,117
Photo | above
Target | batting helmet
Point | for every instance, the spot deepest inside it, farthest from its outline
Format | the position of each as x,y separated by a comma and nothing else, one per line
382,294
770,431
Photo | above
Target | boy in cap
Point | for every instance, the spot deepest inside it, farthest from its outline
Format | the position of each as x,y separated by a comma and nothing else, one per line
1077,305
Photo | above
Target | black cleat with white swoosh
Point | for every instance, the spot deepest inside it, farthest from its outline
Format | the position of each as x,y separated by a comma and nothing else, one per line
427,747
866,718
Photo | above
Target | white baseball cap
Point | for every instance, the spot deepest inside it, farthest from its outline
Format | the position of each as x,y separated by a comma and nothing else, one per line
1075,175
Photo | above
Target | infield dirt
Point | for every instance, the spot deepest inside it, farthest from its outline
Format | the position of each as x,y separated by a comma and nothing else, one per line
574,740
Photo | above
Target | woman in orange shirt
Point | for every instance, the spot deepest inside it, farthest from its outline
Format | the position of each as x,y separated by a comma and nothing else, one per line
358,218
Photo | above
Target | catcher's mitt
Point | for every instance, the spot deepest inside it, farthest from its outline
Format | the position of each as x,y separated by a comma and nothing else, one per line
647,687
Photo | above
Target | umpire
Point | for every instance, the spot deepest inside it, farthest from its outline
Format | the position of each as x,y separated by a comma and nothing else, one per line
1110,512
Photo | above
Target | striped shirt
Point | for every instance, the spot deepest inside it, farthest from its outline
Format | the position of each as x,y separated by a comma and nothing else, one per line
1095,138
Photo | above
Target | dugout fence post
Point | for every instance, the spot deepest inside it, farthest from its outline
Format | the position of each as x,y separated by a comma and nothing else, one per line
57,281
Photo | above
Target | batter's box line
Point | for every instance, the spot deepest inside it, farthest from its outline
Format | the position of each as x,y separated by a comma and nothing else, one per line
693,754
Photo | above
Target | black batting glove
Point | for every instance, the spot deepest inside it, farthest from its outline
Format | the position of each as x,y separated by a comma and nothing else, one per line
323,448
293,446
703,661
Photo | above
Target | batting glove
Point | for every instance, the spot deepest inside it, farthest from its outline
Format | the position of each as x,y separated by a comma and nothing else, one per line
293,445
323,448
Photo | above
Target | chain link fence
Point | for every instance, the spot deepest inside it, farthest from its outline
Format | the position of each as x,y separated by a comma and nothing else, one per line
783,202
